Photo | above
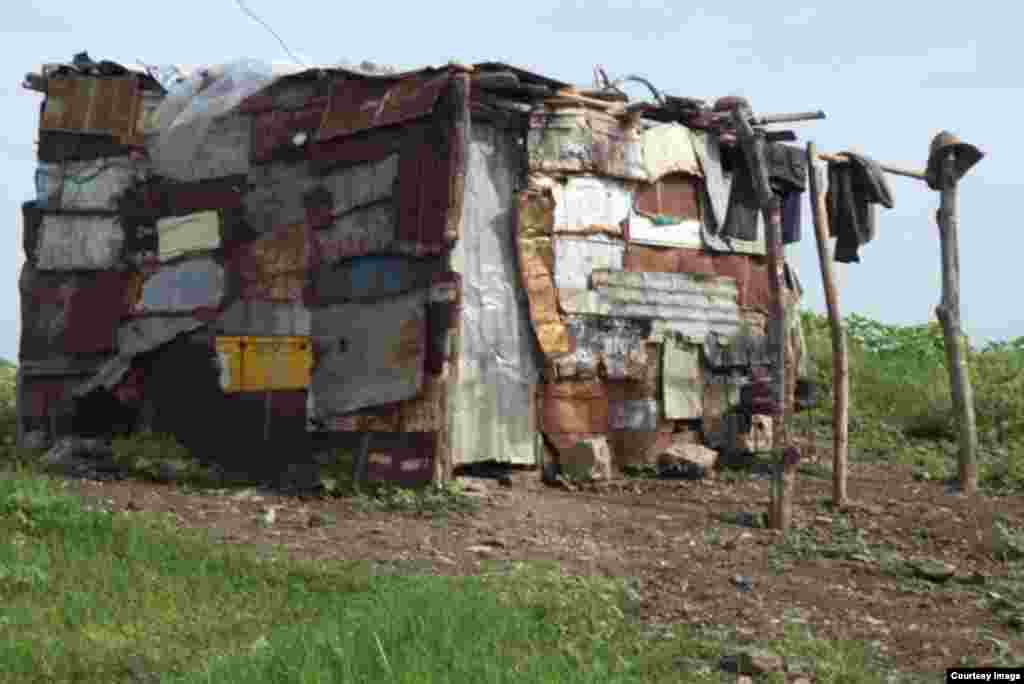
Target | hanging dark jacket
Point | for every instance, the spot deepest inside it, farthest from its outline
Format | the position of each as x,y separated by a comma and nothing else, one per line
853,190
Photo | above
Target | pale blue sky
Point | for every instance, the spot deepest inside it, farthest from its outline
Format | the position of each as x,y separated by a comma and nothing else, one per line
888,74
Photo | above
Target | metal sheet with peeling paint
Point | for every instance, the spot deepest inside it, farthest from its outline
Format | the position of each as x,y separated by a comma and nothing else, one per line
576,140
89,185
691,305
181,235
577,258
586,204
70,242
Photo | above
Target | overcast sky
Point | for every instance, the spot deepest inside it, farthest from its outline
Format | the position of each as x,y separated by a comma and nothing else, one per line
889,75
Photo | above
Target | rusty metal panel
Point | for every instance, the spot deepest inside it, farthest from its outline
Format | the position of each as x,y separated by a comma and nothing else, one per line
411,464
360,232
362,104
675,196
89,185
633,414
692,305
586,204
682,381
45,299
368,354
574,407
181,235
578,140
93,105
274,267
721,395
72,242
536,264
668,148
183,287
261,318
424,413
750,273
278,193
577,258
372,277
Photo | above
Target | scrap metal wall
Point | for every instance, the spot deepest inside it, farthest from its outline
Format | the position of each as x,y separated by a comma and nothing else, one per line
493,401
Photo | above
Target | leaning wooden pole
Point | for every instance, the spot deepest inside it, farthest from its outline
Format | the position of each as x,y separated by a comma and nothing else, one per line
840,360
948,313
780,511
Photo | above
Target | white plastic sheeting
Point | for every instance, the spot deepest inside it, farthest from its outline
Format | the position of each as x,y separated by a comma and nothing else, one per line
492,410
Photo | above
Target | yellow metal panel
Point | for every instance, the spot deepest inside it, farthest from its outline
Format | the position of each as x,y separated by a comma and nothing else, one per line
253,364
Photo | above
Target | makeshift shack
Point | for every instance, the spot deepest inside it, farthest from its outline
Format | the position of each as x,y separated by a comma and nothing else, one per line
464,263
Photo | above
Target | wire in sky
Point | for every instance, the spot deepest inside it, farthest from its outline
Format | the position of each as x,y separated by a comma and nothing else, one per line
254,17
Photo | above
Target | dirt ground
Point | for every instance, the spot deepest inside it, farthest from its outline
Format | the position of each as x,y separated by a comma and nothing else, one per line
667,535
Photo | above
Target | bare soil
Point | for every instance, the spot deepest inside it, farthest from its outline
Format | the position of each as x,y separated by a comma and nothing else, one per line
667,535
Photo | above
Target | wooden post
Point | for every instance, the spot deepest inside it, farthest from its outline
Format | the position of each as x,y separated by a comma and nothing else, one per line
840,360
948,313
784,484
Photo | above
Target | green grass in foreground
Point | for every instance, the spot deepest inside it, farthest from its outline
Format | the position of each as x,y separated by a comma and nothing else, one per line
90,596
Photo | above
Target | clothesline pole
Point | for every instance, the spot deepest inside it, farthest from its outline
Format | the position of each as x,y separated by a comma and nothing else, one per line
840,359
888,168
947,169
784,482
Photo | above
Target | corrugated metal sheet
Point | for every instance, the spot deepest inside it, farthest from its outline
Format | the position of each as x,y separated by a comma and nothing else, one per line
360,232
181,235
274,267
362,104
372,277
183,287
41,398
45,299
88,185
693,305
576,140
277,194
668,148
577,258
362,184
178,199
613,347
254,364
682,381
259,318
425,190
492,405
71,242
585,204
750,273
368,354
93,105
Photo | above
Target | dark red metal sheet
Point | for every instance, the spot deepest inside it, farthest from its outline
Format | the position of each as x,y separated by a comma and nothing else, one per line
370,146
424,188
361,104
178,199
41,397
274,131
676,195
94,313
751,272
409,464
